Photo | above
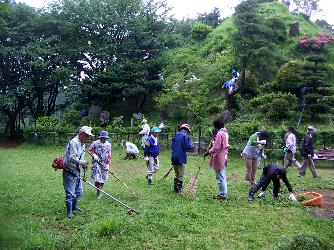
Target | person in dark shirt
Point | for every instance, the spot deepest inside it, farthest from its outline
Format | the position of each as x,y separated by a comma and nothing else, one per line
274,173
308,153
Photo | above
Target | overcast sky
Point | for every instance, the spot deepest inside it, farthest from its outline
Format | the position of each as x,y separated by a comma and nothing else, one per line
190,8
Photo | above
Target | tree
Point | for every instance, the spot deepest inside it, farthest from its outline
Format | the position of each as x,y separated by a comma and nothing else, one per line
307,6
212,18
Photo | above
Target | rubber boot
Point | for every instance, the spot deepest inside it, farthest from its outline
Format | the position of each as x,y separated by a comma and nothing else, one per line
250,196
99,195
176,190
75,206
179,186
69,213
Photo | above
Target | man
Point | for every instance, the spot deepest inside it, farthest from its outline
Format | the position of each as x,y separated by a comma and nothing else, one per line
181,144
308,153
290,149
73,159
151,153
131,150
274,173
144,133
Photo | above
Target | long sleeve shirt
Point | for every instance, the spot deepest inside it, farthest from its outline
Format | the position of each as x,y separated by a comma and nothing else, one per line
307,147
181,143
291,142
74,153
219,150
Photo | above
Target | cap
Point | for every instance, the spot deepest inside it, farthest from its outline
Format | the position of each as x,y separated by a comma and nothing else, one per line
155,130
87,130
185,126
104,134
311,129
144,121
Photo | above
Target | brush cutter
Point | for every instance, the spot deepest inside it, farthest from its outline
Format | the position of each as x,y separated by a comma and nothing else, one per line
190,190
112,173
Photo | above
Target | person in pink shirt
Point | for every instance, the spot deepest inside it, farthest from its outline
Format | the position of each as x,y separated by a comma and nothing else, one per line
218,159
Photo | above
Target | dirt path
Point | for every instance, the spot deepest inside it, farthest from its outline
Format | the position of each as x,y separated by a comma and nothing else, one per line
327,209
9,144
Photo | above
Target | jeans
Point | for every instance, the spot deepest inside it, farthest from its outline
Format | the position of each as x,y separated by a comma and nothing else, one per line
222,182
72,186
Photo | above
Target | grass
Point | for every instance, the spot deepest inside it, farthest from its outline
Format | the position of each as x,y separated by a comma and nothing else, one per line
32,210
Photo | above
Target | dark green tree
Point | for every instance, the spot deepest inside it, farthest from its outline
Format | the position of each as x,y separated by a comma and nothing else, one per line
212,18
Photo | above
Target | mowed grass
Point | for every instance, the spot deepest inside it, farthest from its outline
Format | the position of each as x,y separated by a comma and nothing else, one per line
32,209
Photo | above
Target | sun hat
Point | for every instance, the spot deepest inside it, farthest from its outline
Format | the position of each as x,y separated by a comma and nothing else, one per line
87,130
185,126
104,134
144,121
311,129
155,130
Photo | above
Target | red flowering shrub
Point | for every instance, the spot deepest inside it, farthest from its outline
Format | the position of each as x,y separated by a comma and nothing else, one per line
315,43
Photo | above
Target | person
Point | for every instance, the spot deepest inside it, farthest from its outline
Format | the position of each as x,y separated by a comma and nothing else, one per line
290,149
181,144
218,159
274,173
131,150
251,152
151,154
261,155
144,132
104,117
74,158
308,153
101,151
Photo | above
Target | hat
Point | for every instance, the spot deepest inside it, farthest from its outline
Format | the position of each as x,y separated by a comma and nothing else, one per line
311,129
155,130
185,126
104,134
144,121
87,130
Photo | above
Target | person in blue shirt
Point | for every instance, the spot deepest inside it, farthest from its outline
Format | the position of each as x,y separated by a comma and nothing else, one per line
151,154
181,144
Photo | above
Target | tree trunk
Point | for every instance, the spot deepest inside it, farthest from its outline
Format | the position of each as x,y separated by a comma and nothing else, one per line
229,96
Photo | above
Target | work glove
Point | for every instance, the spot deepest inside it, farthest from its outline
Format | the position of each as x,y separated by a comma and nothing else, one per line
96,158
106,167
309,156
260,195
84,164
292,197
146,158
263,142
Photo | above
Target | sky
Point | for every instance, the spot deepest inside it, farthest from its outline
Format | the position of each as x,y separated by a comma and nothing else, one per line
191,8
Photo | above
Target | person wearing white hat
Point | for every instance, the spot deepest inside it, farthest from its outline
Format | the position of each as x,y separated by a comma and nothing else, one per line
74,157
308,153
144,132
101,152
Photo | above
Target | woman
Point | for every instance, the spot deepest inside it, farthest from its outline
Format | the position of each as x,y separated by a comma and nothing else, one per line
218,159
251,153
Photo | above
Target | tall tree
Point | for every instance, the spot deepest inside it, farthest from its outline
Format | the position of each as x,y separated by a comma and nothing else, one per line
308,7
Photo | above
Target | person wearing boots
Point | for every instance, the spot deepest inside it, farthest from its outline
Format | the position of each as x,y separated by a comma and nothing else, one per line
74,158
290,149
274,173
131,150
181,144
101,151
151,154
308,153
218,160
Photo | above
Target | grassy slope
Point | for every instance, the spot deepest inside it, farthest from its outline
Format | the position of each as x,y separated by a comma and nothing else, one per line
32,212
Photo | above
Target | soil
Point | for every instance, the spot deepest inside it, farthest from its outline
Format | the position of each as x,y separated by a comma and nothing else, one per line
326,211
9,144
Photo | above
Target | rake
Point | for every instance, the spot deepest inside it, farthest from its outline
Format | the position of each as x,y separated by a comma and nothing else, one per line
190,190
165,176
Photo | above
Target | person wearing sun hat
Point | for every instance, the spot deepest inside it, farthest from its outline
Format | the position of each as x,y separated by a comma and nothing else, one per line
101,152
144,132
151,154
74,157
308,153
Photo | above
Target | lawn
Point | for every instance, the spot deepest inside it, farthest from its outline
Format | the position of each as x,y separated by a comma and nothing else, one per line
32,209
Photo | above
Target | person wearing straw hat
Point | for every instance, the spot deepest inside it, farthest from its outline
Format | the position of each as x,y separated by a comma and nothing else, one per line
181,144
151,153
101,159
74,157
308,153
144,132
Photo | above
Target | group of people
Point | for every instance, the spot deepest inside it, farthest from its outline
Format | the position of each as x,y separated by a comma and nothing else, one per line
100,150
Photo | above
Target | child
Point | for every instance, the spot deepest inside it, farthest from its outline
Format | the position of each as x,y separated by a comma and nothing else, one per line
101,151
151,153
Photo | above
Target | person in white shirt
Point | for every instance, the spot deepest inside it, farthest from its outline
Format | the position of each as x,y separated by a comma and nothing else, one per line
290,149
144,133
131,150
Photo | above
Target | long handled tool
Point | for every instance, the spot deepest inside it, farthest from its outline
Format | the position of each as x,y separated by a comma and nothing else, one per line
165,176
112,173
130,210
190,190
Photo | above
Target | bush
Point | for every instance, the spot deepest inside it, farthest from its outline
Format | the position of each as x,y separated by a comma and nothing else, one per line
47,122
200,31
72,117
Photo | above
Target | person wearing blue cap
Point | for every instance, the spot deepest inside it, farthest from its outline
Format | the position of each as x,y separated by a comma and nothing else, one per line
101,152
151,154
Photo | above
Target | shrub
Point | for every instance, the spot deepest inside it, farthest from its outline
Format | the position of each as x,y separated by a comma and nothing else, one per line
72,117
200,31
47,122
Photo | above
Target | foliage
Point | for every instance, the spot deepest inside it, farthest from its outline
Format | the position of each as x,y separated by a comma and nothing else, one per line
49,122
275,106
200,31
211,18
72,117
307,6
